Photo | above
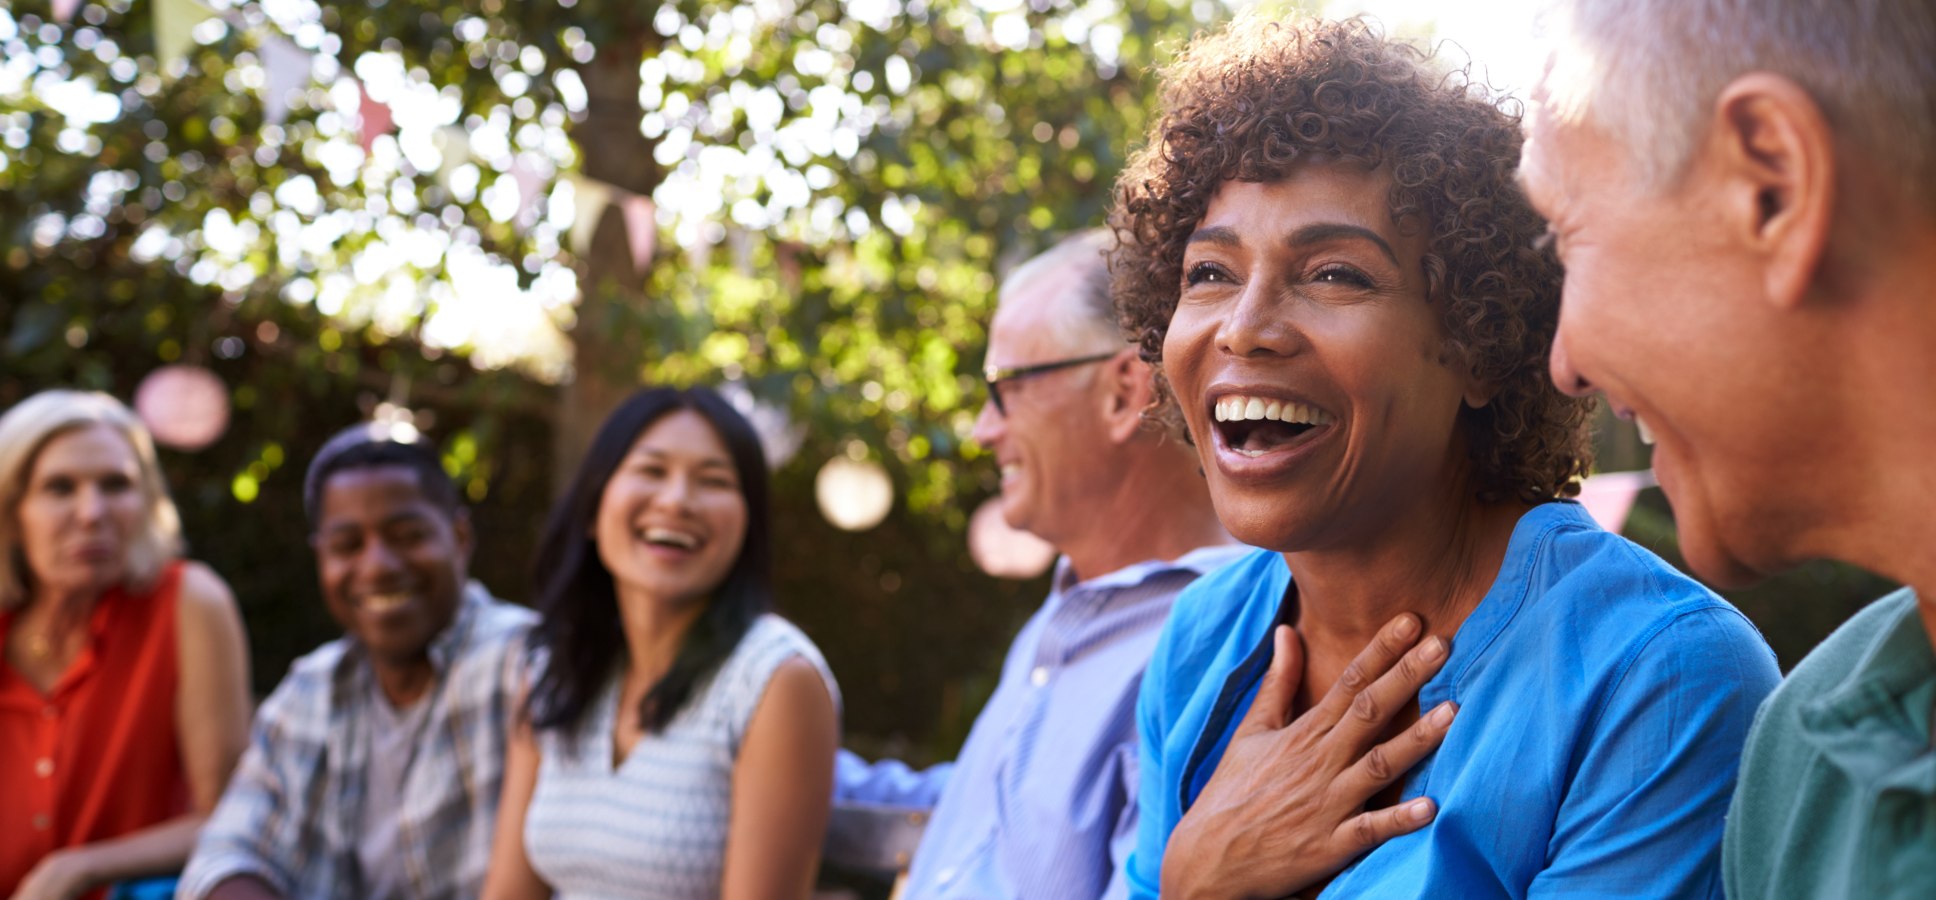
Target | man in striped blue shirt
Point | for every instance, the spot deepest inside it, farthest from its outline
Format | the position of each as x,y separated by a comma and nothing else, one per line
1042,801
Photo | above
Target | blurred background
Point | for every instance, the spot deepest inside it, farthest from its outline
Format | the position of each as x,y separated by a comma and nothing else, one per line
490,220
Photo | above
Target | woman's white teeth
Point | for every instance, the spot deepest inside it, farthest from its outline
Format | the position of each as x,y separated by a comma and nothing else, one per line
668,536
1646,434
1239,409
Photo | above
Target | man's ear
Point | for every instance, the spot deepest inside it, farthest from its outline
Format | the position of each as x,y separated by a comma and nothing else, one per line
1775,153
1131,388
460,530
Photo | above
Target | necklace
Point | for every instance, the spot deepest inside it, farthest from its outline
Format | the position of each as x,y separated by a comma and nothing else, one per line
44,642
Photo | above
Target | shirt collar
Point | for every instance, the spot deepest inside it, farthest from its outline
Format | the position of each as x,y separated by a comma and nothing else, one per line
1198,561
1876,724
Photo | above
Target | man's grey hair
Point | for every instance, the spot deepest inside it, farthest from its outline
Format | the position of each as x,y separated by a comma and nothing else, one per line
1648,73
1088,322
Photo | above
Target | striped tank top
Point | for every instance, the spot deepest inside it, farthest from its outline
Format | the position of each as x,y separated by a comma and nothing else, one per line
654,826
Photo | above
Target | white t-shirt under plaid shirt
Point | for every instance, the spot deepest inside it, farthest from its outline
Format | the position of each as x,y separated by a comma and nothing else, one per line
654,826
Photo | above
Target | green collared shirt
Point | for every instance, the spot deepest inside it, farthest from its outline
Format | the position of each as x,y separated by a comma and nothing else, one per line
1837,796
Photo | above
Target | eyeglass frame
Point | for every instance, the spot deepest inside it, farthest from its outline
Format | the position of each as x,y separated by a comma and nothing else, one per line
994,376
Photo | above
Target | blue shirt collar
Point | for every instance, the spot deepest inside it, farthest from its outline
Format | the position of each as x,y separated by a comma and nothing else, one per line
1475,636
1504,599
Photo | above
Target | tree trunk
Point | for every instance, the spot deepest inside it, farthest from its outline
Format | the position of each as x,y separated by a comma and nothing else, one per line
606,356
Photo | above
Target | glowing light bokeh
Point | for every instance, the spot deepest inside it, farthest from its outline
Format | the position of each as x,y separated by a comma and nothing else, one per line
1004,551
854,495
185,407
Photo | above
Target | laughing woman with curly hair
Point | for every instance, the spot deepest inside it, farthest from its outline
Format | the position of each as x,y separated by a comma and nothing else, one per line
1438,678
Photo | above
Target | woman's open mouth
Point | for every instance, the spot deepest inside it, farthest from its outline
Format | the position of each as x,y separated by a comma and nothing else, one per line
1253,427
669,543
1259,439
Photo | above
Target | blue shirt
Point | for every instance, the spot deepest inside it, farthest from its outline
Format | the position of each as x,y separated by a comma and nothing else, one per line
1604,699
1042,801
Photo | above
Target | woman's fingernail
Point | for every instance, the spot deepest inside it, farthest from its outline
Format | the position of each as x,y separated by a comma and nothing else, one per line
1434,649
1407,628
1442,716
1419,811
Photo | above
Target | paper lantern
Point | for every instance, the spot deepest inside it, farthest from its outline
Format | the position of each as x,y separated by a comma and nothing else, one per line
779,436
853,494
185,407
1002,550
1609,496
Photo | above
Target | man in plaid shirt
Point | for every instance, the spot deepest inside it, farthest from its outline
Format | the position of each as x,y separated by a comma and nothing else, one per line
373,770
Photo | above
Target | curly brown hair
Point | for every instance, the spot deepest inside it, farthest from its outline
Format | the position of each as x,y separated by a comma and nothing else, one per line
1248,102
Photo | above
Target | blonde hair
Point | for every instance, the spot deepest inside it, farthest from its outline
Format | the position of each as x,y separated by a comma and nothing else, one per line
1648,72
26,429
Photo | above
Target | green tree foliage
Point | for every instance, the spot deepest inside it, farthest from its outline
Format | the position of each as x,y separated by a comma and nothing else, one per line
838,185
842,181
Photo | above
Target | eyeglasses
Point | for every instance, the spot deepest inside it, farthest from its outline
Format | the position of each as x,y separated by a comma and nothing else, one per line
995,376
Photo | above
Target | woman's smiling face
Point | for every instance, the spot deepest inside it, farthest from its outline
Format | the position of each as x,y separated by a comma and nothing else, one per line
672,519
1311,370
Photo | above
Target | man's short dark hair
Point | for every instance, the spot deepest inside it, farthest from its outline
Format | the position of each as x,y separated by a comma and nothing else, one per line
374,444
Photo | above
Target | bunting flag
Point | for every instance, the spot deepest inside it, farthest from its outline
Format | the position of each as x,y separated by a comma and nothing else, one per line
589,197
641,229
454,143
64,10
525,173
1609,496
286,69
376,119
175,22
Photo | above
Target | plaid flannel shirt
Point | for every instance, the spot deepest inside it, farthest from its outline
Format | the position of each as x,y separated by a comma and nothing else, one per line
294,805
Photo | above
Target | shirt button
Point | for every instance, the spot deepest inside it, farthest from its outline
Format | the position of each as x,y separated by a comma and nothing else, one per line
1040,676
44,767
42,822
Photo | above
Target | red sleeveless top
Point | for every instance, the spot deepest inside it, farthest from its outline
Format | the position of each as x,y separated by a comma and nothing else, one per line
98,757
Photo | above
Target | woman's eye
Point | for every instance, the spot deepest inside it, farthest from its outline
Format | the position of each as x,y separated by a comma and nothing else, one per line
117,484
1342,275
59,487
1206,272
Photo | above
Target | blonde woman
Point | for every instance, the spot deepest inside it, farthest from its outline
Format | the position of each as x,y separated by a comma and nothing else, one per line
124,692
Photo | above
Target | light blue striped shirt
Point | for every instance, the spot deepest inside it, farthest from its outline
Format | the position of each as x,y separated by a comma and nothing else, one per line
1042,802
655,824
